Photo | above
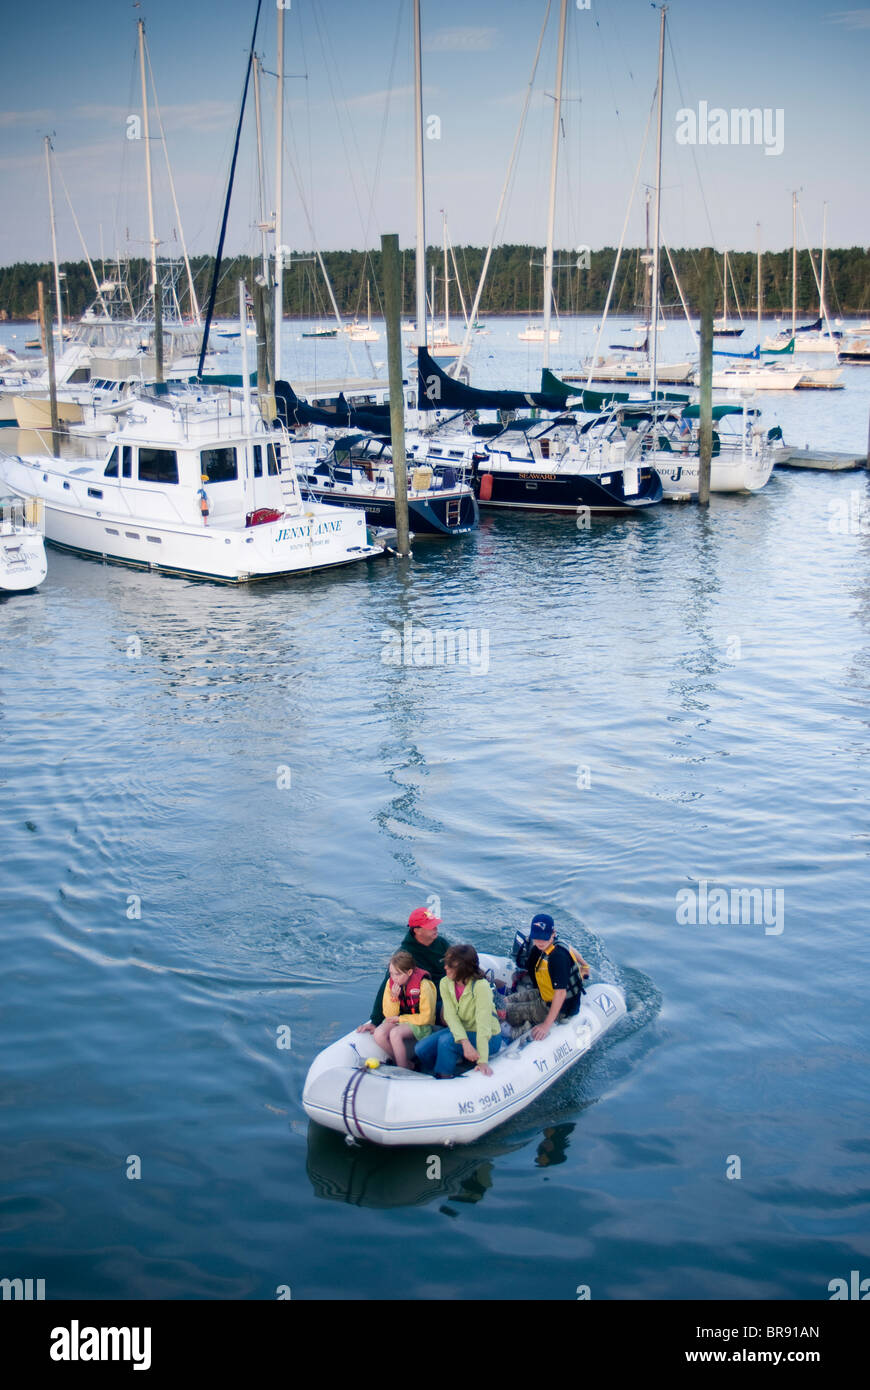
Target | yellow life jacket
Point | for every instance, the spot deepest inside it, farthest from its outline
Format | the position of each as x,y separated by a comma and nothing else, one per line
542,973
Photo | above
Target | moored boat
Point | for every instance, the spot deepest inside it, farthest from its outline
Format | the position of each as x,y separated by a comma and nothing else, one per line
358,472
22,551
189,485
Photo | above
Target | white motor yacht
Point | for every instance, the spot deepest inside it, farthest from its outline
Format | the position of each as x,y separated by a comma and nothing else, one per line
193,483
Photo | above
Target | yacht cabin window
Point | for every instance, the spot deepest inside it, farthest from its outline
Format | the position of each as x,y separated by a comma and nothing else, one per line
127,462
219,465
111,468
273,465
158,465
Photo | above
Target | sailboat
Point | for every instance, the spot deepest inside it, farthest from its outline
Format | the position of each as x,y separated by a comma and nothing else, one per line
440,344
812,337
363,332
545,333
721,327
113,350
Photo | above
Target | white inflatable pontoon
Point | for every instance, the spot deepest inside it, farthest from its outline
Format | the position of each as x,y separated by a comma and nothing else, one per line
390,1105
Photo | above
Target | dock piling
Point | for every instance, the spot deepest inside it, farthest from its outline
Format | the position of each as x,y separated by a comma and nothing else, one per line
392,306
705,408
48,338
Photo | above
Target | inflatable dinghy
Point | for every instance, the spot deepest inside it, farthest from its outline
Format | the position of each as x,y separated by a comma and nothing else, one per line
346,1091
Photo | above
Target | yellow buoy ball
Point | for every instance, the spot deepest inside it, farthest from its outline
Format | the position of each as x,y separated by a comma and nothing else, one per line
372,1063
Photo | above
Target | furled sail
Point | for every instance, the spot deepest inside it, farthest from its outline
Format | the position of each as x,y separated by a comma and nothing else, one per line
438,391
593,400
292,412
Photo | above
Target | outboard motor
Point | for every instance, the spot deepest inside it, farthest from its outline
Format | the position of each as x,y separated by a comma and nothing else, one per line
521,949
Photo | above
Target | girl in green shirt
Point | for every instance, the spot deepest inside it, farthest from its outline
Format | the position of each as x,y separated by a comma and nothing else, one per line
472,1030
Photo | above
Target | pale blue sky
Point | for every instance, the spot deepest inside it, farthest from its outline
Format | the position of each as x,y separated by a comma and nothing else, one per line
72,70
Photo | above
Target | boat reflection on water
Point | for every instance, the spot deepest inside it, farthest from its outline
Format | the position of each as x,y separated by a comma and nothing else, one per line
372,1175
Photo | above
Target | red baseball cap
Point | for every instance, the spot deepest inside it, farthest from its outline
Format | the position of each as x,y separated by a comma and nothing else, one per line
423,917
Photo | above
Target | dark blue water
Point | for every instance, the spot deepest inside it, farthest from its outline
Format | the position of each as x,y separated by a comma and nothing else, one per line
666,699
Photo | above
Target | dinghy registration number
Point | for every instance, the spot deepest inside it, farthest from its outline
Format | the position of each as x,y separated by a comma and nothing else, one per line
467,1107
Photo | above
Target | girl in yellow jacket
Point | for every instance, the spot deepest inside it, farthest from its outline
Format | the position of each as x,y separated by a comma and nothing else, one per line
409,1007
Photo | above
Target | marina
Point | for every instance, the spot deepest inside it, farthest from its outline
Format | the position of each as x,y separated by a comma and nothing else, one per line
361,627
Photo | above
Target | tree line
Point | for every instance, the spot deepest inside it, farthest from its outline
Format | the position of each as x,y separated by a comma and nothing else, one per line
514,282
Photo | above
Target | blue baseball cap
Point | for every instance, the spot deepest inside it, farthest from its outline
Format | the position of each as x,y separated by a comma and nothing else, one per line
543,927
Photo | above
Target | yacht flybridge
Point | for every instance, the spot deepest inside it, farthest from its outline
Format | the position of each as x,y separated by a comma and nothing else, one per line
192,483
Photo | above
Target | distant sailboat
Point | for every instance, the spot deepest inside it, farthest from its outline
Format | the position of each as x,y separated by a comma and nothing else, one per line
721,327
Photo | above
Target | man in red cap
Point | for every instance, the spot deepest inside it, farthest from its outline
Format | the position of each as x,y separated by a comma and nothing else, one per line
427,948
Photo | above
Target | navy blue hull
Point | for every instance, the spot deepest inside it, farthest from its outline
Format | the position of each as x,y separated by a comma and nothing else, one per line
522,491
447,514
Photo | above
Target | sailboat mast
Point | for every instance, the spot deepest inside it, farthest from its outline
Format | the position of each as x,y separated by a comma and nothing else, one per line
759,264
822,310
793,264
418,174
653,375
158,316
279,196
646,272
554,160
446,282
261,178
725,293
54,243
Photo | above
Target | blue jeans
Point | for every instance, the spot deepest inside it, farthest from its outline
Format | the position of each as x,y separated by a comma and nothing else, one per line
439,1052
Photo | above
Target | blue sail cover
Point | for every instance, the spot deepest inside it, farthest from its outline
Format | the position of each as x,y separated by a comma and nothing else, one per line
810,327
438,391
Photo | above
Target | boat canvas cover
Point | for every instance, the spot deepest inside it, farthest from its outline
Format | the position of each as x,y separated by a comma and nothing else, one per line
778,352
294,411
596,400
693,412
438,391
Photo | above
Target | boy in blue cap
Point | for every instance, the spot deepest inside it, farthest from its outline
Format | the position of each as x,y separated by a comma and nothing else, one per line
555,985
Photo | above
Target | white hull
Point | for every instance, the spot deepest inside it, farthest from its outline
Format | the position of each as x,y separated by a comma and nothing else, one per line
806,342
615,369
757,378
820,378
166,525
392,1106
729,472
22,551
536,335
824,460
323,537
